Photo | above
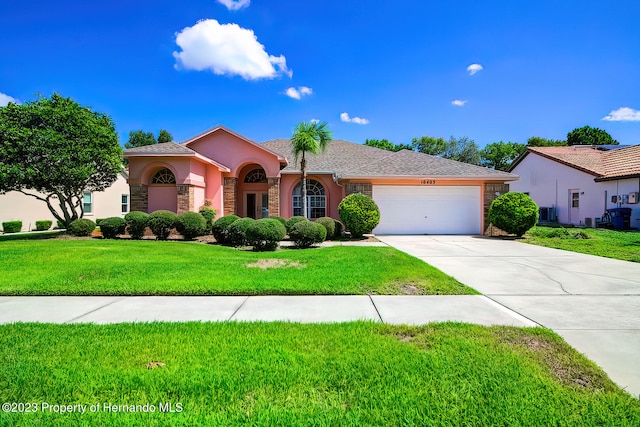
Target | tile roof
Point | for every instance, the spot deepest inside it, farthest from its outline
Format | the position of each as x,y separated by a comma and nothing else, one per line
603,164
168,148
349,160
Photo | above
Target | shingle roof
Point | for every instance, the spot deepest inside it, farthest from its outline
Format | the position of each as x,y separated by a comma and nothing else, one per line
167,148
603,164
348,159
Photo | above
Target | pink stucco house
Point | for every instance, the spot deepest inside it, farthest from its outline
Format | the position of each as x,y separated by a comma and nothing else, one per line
416,193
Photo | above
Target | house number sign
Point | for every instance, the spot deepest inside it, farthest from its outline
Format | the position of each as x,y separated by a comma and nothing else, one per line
428,182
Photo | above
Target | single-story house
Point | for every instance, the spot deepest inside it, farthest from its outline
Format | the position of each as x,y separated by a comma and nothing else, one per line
417,193
577,184
114,201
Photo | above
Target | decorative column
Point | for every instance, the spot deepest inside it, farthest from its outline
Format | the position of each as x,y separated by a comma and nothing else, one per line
185,198
229,195
274,196
139,197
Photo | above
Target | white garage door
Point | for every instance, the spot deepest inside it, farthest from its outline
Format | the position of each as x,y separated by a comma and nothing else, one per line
428,210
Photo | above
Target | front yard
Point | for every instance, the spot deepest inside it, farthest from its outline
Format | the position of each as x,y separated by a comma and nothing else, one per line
125,267
353,374
623,245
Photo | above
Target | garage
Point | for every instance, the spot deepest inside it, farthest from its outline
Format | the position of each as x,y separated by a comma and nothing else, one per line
428,209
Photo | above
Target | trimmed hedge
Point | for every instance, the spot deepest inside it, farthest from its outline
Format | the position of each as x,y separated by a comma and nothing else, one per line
209,215
238,231
306,234
12,226
329,224
161,222
281,220
82,227
293,221
359,213
136,223
265,234
191,225
43,225
112,226
514,213
220,228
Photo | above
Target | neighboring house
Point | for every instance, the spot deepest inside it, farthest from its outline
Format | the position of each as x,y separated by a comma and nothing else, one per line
114,201
579,183
417,193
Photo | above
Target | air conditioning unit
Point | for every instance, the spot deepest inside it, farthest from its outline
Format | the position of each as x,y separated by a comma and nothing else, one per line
591,222
546,214
633,198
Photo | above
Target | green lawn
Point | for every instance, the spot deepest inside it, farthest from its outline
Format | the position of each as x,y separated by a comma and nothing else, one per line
624,245
353,374
125,267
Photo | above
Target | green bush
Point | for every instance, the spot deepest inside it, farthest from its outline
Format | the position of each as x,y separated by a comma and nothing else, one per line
12,226
191,225
514,213
329,224
339,230
136,223
220,228
281,220
98,221
238,231
161,222
112,226
265,234
82,227
293,221
59,224
306,234
359,213
43,225
209,215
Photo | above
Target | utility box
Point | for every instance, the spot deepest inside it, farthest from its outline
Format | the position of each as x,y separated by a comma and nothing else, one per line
633,198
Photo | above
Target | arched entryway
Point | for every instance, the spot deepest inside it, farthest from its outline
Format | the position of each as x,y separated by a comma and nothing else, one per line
253,192
316,199
163,193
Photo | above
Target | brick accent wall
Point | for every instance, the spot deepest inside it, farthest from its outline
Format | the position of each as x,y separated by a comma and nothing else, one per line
274,196
490,190
186,198
364,188
229,195
139,197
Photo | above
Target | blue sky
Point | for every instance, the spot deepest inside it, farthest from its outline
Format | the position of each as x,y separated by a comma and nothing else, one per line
383,69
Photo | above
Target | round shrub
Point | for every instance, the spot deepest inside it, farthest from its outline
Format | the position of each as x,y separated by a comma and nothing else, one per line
12,226
82,227
281,220
161,222
191,225
329,224
220,228
136,223
111,227
209,215
306,234
514,213
265,234
293,221
43,225
238,231
359,213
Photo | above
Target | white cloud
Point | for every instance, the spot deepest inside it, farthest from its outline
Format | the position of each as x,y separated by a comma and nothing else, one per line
227,49
314,121
298,93
5,99
474,68
624,114
345,118
235,4
459,102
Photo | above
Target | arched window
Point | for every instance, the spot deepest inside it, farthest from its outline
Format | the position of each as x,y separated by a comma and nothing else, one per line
316,199
164,176
256,176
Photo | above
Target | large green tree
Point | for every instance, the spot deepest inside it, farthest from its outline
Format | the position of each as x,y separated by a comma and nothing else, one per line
537,141
308,137
430,145
386,145
164,136
53,149
463,150
500,155
586,135
140,138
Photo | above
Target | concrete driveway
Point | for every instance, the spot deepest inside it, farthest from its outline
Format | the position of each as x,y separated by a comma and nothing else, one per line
592,302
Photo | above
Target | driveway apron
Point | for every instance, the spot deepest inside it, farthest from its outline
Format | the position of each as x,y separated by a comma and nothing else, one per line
592,302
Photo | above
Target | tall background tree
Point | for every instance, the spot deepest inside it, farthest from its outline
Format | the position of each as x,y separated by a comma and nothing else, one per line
500,155
586,135
54,150
140,138
430,145
308,137
537,141
386,145
463,150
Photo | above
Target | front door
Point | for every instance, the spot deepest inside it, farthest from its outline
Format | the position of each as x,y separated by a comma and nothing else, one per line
257,205
574,206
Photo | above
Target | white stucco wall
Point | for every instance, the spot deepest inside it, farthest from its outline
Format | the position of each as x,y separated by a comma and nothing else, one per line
549,183
17,206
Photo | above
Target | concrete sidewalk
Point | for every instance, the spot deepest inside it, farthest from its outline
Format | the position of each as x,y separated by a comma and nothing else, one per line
412,310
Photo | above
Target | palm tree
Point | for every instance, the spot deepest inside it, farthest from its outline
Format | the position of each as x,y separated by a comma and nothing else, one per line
311,137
